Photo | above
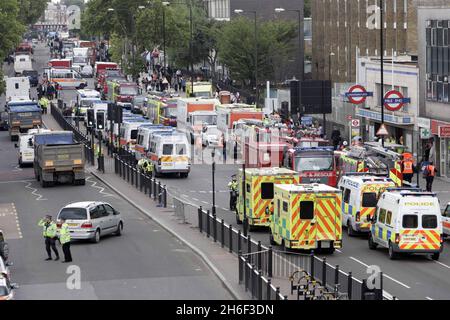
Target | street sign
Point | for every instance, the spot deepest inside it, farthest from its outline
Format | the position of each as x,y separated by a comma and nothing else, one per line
358,94
394,100
382,131
355,123
349,117
444,131
307,121
425,133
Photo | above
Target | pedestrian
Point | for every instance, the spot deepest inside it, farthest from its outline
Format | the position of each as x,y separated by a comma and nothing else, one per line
429,173
183,84
49,231
64,238
50,91
39,91
43,103
407,169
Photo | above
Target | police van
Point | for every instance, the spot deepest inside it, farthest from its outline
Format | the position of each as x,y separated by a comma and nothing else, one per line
360,196
407,221
85,98
129,130
143,138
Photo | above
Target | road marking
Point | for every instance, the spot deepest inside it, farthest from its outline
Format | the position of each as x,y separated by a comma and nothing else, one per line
195,199
205,202
15,181
40,197
384,274
338,250
102,190
17,168
226,209
444,265
428,298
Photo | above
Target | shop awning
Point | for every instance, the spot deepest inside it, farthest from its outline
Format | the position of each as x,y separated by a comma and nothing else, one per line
389,118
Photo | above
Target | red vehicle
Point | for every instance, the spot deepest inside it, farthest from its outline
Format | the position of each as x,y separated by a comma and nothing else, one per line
103,66
60,63
24,48
315,164
106,75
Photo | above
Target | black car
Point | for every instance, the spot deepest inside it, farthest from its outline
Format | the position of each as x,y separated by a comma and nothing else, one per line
3,121
33,76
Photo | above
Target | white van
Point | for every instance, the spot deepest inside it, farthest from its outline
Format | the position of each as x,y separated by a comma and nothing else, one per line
26,147
66,78
143,138
22,62
85,99
407,221
128,132
361,192
170,153
446,220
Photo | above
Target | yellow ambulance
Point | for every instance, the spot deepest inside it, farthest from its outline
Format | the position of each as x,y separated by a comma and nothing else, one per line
259,184
307,216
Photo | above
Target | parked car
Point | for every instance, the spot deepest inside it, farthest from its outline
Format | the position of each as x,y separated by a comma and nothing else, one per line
211,136
33,75
91,220
4,249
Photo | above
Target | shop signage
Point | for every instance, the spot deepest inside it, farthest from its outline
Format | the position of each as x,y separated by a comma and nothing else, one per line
444,132
424,123
394,100
425,133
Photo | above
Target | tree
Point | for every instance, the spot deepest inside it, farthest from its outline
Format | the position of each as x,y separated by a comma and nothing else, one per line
307,10
237,47
31,10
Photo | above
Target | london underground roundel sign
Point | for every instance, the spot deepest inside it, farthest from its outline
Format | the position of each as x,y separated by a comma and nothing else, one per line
394,100
357,94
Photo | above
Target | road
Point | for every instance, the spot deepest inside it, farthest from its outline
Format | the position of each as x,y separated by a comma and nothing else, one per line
146,262
410,277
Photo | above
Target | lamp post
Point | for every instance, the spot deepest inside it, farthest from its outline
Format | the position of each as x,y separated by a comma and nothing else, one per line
382,65
240,11
330,56
213,182
165,4
301,38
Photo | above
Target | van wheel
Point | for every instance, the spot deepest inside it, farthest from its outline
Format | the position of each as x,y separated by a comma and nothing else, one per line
96,238
435,256
44,184
119,229
372,244
271,239
350,231
392,254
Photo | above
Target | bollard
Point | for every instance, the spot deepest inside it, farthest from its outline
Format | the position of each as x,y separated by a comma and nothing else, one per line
246,268
154,189
269,262
259,255
241,276
141,180
268,289
116,166
159,192
324,272
239,241
277,292
312,264
222,233
249,244
253,281
128,172
136,172
349,285
132,175
259,284
207,223
200,219
214,228
336,275
165,196
230,228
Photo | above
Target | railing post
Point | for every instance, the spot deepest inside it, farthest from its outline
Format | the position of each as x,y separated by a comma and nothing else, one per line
200,219
141,180
268,289
230,232
136,171
249,244
239,240
241,276
336,275
324,272
259,284
269,262
277,292
312,264
259,255
132,175
222,233
349,285
155,191
214,228
164,196
246,273
207,224
159,192
253,281
128,172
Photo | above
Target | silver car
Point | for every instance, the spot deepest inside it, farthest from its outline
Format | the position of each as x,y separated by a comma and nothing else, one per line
91,220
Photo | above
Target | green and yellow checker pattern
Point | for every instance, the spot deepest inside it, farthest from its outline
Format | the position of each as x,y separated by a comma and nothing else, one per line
396,174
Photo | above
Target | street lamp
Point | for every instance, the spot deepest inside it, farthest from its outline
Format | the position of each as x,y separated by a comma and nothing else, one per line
240,11
301,39
332,54
213,182
165,4
382,65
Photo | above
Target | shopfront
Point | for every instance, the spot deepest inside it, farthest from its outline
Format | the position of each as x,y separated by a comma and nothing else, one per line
441,132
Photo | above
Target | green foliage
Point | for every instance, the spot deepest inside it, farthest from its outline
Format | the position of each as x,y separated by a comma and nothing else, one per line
31,10
307,10
79,3
237,47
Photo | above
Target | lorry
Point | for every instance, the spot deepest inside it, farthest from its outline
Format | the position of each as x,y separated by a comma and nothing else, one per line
22,62
103,66
201,89
80,58
23,115
186,119
58,158
17,89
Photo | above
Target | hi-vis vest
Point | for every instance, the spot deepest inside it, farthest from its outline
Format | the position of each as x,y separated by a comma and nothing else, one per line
408,167
396,174
48,229
64,234
431,170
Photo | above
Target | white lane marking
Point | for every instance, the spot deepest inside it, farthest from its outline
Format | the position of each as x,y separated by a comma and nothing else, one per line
225,209
338,250
17,168
15,181
205,202
195,199
384,274
102,190
428,298
442,264
40,197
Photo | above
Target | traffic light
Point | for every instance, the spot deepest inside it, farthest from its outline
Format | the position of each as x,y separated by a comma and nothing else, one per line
111,111
118,114
90,118
100,120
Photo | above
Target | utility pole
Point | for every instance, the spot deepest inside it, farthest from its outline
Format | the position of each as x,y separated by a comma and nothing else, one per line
382,65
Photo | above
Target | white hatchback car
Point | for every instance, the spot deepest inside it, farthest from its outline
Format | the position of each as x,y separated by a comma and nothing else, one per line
91,220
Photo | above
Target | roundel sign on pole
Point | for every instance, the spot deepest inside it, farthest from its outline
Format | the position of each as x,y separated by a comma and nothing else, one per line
357,94
394,100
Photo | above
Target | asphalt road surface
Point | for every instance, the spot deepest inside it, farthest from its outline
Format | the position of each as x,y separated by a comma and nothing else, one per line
146,262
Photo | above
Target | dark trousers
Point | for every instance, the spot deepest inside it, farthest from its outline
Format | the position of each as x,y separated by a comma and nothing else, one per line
51,243
66,251
408,177
429,183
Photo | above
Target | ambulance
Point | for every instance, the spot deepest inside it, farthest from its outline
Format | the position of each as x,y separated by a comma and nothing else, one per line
259,193
170,153
407,221
307,217
143,138
361,192
128,132
446,220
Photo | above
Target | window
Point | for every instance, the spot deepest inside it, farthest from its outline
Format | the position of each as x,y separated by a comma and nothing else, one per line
266,190
181,149
369,200
167,149
73,214
278,207
389,218
134,134
248,188
101,211
429,221
306,210
382,216
447,212
94,213
109,210
347,193
410,221
285,206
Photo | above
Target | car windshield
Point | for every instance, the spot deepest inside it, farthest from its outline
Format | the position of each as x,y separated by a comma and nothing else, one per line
207,119
205,94
131,91
73,214
303,164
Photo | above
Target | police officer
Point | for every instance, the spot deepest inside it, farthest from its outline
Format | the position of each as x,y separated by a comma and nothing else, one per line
64,238
149,167
49,231
233,186
43,102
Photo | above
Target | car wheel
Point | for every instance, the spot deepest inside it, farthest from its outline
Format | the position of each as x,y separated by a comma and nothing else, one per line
435,256
392,254
96,238
372,244
119,229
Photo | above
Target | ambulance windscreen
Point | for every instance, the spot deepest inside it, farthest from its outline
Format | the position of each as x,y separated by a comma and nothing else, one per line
303,164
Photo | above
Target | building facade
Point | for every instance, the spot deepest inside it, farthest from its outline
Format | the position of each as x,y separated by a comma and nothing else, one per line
349,28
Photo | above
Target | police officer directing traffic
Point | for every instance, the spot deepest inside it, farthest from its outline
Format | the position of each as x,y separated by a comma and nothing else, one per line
233,186
49,231
64,238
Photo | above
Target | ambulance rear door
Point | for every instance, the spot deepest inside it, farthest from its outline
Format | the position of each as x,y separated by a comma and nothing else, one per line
326,216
